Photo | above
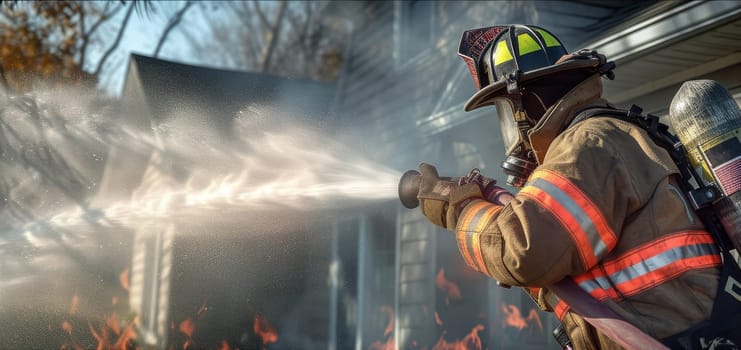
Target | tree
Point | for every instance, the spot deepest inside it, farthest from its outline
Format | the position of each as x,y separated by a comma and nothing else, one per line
289,38
48,40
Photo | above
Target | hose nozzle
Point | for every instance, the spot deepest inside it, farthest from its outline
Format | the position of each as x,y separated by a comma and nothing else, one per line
409,188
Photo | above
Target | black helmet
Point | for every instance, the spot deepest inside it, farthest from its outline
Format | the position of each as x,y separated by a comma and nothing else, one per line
502,60
517,54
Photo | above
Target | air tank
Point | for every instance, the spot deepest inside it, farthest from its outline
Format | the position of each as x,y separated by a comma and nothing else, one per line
707,121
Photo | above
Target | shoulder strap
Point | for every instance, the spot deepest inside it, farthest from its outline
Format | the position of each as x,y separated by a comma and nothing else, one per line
702,197
659,133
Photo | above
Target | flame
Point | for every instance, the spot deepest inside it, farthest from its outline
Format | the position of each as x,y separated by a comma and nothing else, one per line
390,326
202,308
187,327
67,327
224,345
451,289
124,279
469,342
109,333
265,330
75,304
438,321
390,343
111,336
514,318
535,318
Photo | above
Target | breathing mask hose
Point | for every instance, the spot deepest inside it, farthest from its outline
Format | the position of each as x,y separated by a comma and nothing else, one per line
518,170
707,121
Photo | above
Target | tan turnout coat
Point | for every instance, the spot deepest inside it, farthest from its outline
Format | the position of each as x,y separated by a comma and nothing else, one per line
603,208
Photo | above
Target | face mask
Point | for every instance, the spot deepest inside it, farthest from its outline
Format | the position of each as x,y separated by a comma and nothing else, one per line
520,161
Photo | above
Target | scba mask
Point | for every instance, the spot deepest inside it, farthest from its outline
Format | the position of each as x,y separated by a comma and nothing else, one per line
520,161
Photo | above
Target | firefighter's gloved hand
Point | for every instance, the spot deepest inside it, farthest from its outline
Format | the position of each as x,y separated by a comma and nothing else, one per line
441,200
491,192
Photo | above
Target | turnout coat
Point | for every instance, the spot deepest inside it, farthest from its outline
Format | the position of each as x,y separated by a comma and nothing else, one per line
603,207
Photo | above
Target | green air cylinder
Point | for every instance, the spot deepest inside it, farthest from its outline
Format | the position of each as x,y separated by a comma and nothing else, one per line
707,121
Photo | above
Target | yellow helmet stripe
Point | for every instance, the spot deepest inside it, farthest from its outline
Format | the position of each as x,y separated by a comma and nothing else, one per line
502,54
550,40
527,44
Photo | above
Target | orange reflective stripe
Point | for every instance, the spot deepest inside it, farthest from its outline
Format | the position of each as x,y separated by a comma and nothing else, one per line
466,218
650,264
656,247
661,260
595,282
475,237
567,221
577,213
561,309
475,217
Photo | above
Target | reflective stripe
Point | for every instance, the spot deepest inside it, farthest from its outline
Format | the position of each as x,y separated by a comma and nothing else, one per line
526,44
470,213
559,307
582,219
650,264
550,40
473,220
502,54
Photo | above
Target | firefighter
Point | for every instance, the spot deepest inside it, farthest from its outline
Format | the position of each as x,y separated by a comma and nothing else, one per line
599,201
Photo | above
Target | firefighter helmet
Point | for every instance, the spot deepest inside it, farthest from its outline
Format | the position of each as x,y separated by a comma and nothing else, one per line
521,53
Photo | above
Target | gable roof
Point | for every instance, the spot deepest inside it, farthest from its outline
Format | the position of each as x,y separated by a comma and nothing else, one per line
167,87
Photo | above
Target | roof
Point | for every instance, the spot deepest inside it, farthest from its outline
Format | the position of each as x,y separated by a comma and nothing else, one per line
170,87
655,55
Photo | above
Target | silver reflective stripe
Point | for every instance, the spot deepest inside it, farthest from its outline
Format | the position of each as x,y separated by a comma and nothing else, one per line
586,224
599,282
658,261
649,265
589,285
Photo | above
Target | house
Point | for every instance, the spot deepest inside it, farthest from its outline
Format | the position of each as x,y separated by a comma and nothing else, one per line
236,267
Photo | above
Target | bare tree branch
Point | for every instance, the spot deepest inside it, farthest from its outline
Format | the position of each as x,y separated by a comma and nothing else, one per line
254,42
274,36
105,15
116,41
11,19
83,37
4,81
263,19
174,21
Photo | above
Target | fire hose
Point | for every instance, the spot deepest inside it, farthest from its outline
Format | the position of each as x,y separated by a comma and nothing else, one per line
580,302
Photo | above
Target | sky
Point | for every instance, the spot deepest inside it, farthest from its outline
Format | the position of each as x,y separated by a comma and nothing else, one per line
141,37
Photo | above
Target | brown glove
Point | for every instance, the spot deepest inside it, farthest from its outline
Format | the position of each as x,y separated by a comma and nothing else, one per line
492,193
442,200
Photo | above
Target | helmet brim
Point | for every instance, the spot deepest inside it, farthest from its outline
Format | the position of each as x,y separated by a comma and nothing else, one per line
485,96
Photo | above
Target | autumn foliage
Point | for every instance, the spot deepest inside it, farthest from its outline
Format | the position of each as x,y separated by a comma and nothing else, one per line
42,40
